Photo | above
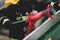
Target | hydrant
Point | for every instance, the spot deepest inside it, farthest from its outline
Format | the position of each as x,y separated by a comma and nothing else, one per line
34,16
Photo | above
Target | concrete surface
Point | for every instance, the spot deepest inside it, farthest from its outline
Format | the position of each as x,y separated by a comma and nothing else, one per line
2,37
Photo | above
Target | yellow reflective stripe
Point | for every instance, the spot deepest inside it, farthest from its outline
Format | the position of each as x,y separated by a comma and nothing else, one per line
24,17
5,20
18,18
52,3
59,4
2,18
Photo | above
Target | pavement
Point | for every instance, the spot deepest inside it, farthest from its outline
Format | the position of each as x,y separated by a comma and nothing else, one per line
2,37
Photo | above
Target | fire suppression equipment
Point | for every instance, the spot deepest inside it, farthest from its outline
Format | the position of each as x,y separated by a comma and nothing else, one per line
32,18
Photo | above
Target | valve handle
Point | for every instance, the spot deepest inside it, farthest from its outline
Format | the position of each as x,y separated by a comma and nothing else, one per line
48,11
